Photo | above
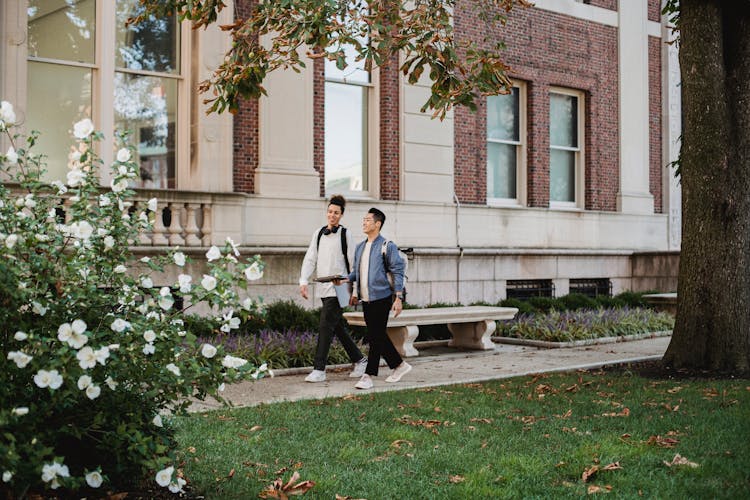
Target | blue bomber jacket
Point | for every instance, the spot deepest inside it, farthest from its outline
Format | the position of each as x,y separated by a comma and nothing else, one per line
378,285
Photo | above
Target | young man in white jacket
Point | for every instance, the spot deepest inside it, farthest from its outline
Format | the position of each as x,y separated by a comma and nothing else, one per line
330,253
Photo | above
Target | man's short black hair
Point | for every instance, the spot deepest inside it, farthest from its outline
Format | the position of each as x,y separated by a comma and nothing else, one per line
338,200
377,215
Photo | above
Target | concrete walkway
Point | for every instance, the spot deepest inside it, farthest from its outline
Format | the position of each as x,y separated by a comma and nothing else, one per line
441,366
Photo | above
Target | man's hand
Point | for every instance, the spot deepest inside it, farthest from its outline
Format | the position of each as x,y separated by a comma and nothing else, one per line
303,291
397,307
353,300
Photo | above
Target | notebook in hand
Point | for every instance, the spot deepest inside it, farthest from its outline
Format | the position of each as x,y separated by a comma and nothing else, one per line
327,279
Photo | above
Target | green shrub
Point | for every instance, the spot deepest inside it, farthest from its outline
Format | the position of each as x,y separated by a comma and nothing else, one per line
544,304
522,306
576,301
288,315
632,299
95,354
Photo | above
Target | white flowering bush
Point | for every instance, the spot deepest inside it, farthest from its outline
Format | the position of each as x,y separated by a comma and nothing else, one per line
96,357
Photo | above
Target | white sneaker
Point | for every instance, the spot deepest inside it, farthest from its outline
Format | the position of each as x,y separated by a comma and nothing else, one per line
316,376
399,372
364,383
359,368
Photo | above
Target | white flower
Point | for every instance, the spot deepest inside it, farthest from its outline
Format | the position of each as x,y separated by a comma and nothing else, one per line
152,204
109,242
208,282
123,155
213,253
253,272
119,325
157,421
7,476
7,115
111,383
51,379
176,487
75,177
230,323
179,258
147,282
86,358
234,246
101,355
83,129
93,391
77,340
11,156
222,386
247,304
164,476
149,349
104,200
20,335
84,381
120,269
81,230
78,326
50,473
208,351
119,186
184,280
263,367
94,479
61,188
233,362
149,335
38,308
20,411
166,303
20,358
173,368
11,240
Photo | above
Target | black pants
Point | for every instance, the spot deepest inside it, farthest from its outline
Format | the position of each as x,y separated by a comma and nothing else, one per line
332,323
376,318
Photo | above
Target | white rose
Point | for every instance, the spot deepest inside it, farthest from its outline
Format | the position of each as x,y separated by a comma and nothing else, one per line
233,362
208,351
94,479
179,258
7,476
123,155
173,368
93,391
253,272
84,381
104,200
109,242
213,253
7,115
83,129
208,282
164,476
157,421
11,156
20,411
147,282
119,186
184,281
176,487
20,335
20,358
119,325
149,335
152,204
86,358
75,177
11,240
149,349
120,269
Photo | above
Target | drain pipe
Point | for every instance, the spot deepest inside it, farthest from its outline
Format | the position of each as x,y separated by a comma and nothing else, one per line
460,249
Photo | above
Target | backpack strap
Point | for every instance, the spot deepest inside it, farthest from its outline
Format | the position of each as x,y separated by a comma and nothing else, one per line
384,252
344,245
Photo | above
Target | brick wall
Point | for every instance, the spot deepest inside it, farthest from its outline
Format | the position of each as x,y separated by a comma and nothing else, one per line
389,131
319,120
654,10
656,162
245,145
604,4
548,49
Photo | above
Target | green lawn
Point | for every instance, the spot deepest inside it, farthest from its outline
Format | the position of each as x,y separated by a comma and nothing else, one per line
515,438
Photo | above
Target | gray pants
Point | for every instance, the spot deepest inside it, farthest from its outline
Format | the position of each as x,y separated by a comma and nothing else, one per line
332,323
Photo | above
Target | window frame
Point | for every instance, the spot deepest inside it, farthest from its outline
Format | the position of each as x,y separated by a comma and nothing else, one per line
372,137
521,152
579,170
103,71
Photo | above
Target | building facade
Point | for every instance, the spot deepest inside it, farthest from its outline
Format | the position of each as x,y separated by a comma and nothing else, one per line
561,186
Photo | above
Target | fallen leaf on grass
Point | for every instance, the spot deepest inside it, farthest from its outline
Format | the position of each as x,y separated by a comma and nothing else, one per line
624,413
598,489
680,460
399,442
278,489
456,479
231,474
663,442
710,392
255,428
481,420
591,471
341,497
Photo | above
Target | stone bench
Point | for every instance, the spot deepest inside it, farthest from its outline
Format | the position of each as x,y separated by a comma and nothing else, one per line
470,326
666,302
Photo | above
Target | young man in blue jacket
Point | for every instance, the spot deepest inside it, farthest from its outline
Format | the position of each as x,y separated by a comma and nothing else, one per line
329,253
372,263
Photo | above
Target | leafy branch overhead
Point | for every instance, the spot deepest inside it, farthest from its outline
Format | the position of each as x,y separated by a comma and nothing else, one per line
283,33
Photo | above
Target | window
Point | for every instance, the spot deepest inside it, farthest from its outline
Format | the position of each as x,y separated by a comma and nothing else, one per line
566,154
506,148
526,289
123,78
593,287
350,127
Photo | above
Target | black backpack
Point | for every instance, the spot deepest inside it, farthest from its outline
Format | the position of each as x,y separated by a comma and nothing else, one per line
344,246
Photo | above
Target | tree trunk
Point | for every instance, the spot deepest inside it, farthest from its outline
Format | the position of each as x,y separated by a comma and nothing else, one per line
712,330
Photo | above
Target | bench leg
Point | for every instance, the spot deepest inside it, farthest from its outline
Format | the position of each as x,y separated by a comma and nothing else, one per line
472,335
403,338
